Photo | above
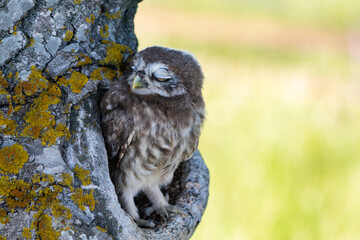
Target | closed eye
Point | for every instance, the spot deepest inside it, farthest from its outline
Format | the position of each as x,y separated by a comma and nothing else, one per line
162,75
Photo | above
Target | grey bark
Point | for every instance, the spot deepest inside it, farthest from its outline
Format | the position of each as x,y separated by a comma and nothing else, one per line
58,38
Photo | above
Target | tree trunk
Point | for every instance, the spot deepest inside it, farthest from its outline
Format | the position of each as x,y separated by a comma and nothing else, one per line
55,57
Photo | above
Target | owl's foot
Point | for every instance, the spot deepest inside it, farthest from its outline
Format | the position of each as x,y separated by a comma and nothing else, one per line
145,223
164,211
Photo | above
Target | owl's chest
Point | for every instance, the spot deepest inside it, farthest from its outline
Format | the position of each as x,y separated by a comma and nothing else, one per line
160,143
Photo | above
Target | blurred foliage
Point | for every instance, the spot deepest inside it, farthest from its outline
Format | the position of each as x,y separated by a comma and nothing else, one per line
330,13
282,135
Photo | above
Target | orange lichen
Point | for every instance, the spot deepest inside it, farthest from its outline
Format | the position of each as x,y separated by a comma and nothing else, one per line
77,81
104,31
16,193
83,200
36,82
26,233
113,16
114,53
4,219
68,36
12,159
83,175
90,19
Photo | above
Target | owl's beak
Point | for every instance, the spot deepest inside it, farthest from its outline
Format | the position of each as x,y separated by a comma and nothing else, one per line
139,82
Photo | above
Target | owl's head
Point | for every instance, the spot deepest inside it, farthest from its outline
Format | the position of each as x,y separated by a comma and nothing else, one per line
159,71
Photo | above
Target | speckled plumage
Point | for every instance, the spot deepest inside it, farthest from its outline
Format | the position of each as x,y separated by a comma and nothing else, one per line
151,119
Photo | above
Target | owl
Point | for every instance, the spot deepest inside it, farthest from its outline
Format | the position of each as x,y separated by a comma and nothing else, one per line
152,118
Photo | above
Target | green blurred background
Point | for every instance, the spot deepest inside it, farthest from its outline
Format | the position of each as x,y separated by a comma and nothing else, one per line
282,90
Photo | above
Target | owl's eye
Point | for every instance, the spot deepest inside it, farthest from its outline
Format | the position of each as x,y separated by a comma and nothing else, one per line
162,75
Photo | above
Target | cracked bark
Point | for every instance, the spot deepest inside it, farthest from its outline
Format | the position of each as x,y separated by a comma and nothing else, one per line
56,59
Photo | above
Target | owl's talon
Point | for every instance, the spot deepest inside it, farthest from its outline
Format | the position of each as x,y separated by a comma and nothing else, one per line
145,223
176,210
148,211
165,211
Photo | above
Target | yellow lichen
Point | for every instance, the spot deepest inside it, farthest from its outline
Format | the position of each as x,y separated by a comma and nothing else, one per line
14,30
83,175
37,121
67,108
2,238
40,123
7,126
17,108
36,83
103,72
102,229
83,200
62,81
67,179
85,60
49,137
3,84
90,19
42,224
31,42
114,54
77,1
105,31
60,211
37,178
77,81
46,197
26,233
11,109
12,159
68,36
113,16
10,75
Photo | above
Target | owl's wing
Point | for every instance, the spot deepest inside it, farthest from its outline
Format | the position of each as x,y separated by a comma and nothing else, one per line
118,127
